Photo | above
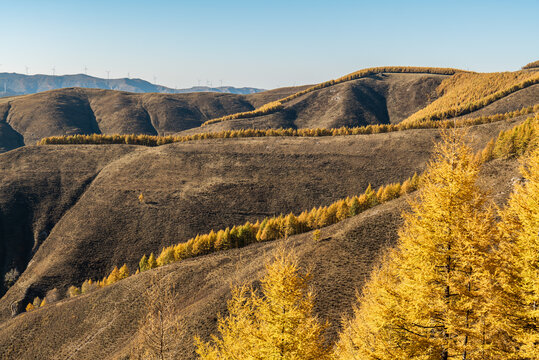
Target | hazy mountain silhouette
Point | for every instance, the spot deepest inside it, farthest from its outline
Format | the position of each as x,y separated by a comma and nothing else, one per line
20,84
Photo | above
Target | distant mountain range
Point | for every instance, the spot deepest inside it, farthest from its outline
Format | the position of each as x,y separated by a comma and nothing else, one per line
19,84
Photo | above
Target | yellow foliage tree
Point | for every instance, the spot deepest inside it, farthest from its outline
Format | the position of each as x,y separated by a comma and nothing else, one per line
113,276
276,324
517,308
428,301
123,272
152,263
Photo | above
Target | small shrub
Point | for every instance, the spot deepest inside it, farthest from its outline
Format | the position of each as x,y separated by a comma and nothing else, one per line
73,291
11,277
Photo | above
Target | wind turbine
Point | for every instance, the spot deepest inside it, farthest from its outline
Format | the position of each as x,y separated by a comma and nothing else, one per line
26,67
85,70
53,70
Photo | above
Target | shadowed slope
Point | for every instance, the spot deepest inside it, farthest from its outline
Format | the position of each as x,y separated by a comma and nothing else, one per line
37,188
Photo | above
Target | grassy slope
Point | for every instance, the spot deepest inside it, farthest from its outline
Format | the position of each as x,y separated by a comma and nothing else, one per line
379,99
87,111
102,324
37,191
188,191
277,105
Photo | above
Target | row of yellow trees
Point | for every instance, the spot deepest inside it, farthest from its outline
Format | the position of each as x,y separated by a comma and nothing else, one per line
87,286
153,140
270,228
531,65
467,92
459,284
277,105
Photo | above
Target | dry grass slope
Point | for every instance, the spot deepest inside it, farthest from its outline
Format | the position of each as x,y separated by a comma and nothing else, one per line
277,105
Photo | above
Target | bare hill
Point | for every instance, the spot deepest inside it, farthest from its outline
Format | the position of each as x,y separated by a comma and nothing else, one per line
102,324
377,99
26,119
190,188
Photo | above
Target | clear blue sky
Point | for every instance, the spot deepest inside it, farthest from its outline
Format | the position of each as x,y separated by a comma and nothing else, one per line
264,44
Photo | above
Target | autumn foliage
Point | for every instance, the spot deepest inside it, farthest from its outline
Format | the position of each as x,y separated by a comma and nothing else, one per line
464,93
153,140
531,65
459,284
276,323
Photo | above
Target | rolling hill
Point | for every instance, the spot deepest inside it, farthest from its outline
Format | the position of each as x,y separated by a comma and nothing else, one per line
73,212
380,99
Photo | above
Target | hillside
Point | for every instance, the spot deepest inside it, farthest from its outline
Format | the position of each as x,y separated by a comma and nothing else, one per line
73,212
380,99
12,84
26,119
377,99
102,324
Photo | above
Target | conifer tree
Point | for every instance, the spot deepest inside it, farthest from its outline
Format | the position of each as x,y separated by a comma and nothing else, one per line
36,302
355,207
162,324
343,211
152,263
123,272
276,324
113,276
517,306
74,291
143,263
427,302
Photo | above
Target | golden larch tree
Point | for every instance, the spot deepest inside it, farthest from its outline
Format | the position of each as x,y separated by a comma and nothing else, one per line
427,301
517,306
277,323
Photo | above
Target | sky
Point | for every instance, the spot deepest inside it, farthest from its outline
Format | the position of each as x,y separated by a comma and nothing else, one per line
264,44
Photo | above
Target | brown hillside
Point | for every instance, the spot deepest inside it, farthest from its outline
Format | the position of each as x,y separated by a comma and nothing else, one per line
194,187
102,324
377,99
28,118
36,191
87,111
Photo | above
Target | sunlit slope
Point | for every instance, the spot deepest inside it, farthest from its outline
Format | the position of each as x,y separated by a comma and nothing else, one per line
463,93
195,187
